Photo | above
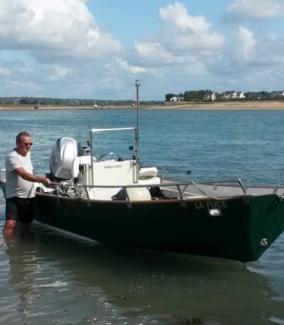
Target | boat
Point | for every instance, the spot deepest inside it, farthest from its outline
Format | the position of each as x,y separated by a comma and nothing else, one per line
117,201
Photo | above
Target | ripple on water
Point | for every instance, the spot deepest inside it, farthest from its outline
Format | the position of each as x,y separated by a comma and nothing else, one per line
47,279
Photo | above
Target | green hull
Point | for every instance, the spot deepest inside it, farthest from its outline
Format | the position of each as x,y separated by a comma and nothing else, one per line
245,228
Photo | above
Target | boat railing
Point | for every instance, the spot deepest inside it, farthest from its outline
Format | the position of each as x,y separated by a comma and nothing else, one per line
166,189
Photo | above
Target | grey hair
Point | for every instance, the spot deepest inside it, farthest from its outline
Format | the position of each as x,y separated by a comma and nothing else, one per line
22,134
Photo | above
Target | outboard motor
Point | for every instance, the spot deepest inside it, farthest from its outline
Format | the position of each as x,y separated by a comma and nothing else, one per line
63,153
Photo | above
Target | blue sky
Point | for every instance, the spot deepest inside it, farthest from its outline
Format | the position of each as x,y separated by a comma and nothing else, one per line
97,48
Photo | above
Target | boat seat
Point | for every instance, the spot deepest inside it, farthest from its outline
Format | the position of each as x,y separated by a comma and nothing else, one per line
147,172
150,181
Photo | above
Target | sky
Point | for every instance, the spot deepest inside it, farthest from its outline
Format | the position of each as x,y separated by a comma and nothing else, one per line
96,49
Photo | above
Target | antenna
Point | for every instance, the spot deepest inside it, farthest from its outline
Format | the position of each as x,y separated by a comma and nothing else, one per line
137,85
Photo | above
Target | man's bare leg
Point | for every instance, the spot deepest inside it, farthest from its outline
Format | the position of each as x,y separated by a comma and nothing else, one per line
9,227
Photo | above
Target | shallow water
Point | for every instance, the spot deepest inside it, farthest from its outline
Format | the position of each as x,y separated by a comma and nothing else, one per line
46,278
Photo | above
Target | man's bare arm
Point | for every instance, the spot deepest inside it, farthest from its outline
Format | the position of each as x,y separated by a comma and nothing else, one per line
32,178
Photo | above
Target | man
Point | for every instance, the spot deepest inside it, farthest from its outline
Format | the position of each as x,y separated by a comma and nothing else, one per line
20,189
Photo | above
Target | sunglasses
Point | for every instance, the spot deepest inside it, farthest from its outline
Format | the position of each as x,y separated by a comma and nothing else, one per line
28,144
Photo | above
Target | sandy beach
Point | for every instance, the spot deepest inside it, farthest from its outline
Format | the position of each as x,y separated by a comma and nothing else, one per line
228,105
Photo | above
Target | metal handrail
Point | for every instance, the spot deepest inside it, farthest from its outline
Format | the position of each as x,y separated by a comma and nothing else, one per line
180,187
167,183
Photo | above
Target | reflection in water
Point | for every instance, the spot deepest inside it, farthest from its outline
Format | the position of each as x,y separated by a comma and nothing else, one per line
58,280
23,267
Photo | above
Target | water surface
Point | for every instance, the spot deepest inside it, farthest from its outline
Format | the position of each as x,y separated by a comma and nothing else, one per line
46,278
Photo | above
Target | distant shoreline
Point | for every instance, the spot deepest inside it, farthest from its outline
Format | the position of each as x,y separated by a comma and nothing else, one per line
228,105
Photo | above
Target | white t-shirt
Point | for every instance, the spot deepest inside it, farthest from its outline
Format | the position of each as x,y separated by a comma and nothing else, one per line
16,186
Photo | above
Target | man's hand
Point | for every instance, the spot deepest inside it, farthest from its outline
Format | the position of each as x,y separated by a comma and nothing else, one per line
45,181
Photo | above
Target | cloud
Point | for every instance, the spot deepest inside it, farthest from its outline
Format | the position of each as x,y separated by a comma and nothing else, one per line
252,61
247,43
4,72
177,16
153,52
184,43
60,72
188,32
55,43
252,50
56,48
53,29
50,47
122,63
256,8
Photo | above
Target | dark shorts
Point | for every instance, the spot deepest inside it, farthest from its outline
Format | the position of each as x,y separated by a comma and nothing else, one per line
20,209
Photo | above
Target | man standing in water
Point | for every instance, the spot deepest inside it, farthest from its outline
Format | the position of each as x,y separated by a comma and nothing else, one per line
20,189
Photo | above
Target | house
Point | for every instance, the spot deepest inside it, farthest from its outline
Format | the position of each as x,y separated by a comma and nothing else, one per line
240,95
176,99
210,96
277,94
233,95
228,94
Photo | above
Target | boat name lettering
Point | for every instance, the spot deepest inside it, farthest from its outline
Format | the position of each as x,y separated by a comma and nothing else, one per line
113,166
210,204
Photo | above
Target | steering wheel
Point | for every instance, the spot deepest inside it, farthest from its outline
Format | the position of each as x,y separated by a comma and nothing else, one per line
110,156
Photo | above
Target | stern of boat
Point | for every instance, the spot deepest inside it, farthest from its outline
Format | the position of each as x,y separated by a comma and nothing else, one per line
266,222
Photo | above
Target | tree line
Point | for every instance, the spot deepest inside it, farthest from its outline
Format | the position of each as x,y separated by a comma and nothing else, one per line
203,95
